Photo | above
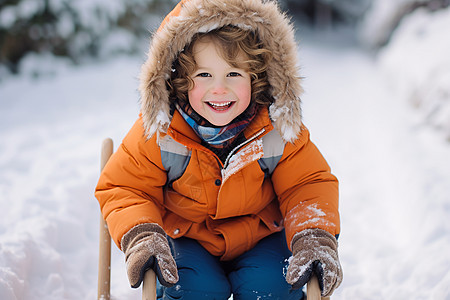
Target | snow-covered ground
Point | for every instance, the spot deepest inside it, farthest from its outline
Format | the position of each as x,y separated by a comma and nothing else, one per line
418,65
394,173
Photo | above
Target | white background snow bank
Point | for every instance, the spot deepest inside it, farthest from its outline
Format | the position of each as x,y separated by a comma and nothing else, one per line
394,178
393,170
417,64
51,130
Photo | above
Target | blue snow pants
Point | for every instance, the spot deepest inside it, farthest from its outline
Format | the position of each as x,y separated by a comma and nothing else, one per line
256,274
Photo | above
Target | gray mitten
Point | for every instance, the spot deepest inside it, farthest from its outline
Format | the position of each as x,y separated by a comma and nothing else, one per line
146,247
315,250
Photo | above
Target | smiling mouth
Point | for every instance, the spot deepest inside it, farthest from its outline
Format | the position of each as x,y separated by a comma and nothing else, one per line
220,106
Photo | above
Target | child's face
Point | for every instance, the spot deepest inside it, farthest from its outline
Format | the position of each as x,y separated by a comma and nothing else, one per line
221,92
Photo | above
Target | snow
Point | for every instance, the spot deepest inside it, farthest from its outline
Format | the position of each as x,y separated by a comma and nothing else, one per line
393,170
249,153
7,16
382,18
420,46
51,130
394,178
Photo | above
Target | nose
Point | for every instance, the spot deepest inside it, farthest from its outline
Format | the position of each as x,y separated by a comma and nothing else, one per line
218,87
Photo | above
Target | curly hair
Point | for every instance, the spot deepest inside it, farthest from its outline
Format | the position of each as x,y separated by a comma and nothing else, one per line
231,41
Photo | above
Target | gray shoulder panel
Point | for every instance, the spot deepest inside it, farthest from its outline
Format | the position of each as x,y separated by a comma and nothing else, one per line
273,147
174,156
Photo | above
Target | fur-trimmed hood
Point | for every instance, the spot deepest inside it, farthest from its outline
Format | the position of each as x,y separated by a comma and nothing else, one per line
192,16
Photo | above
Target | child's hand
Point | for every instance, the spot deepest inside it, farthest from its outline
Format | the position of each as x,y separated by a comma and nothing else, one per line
143,245
315,250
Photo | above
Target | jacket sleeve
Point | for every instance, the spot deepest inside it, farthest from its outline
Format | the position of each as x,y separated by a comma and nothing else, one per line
307,191
130,187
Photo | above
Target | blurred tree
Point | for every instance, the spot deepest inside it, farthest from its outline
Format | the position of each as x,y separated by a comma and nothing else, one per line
26,32
384,16
327,13
75,29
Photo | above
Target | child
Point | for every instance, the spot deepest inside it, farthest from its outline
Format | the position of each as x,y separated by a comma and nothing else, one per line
217,186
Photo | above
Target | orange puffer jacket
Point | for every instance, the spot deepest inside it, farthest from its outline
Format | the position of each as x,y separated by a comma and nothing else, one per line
181,185
162,174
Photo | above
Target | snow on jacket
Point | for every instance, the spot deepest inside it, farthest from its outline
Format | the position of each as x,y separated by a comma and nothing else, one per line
162,174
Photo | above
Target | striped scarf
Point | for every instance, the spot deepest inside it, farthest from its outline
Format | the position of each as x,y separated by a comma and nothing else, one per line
215,136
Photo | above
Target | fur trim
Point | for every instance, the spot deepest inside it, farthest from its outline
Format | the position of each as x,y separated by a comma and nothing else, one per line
263,16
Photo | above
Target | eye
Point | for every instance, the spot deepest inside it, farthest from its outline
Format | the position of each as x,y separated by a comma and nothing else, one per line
204,74
233,74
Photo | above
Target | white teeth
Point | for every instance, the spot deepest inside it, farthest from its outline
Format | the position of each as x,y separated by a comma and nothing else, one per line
220,104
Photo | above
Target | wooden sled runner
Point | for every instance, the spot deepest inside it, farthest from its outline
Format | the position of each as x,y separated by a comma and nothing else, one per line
149,284
104,261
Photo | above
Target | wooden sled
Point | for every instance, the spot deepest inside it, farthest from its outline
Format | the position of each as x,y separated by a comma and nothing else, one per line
104,260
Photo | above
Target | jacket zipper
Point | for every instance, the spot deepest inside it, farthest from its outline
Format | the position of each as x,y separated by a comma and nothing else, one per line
235,149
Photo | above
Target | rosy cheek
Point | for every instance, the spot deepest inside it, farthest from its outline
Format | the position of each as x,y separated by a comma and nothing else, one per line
196,94
243,91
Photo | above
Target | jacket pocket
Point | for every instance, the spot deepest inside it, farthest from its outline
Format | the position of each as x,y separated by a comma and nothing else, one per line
175,226
271,217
